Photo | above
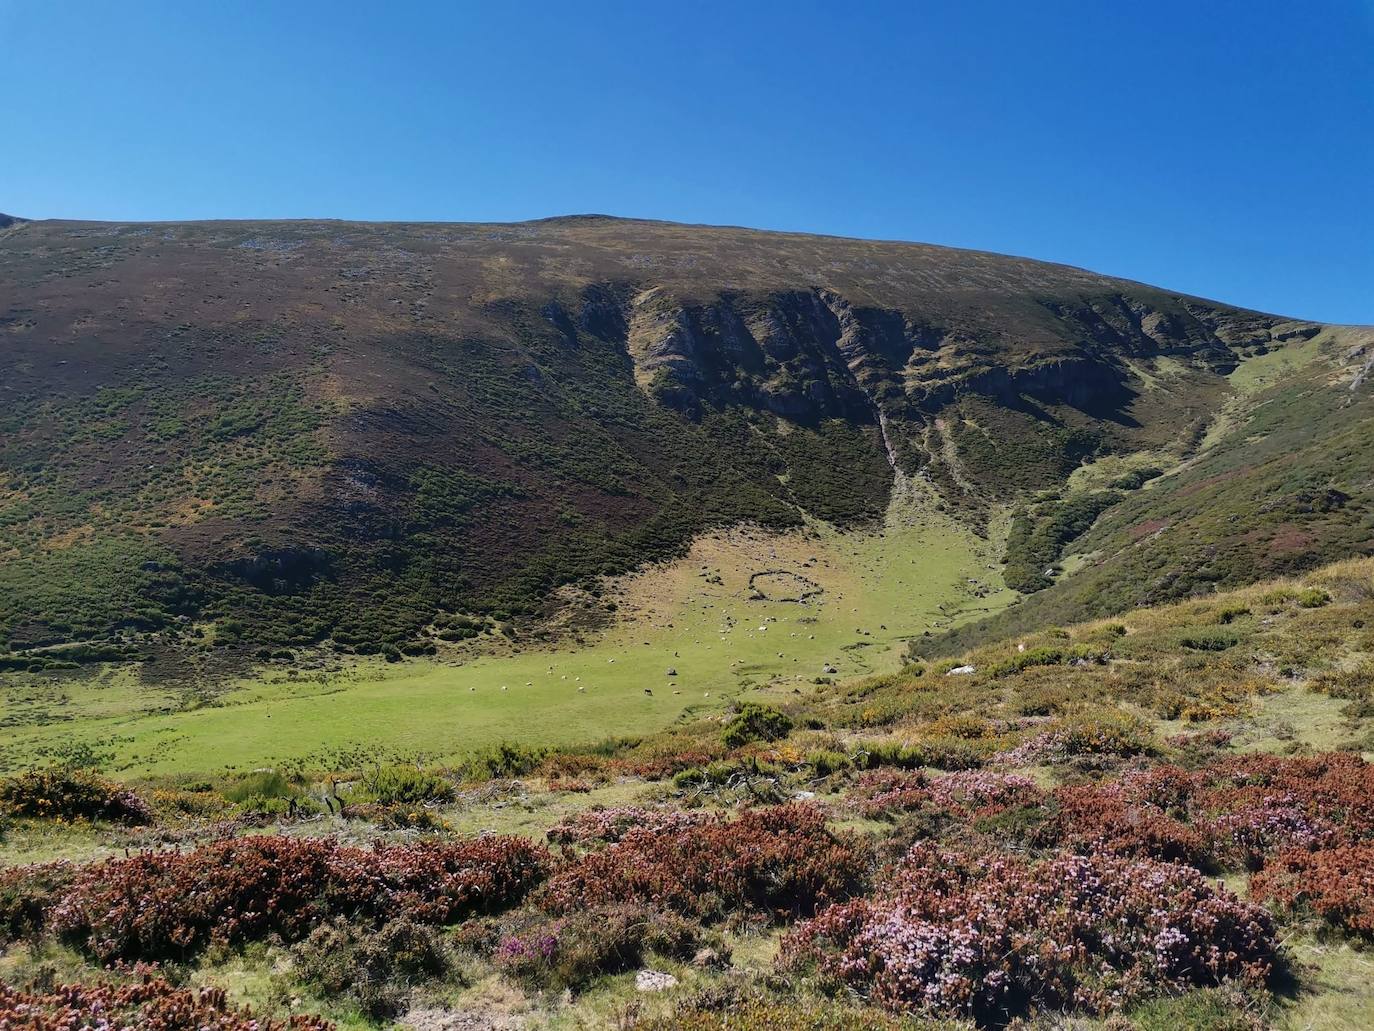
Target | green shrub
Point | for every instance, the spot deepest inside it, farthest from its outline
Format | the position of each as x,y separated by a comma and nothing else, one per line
403,785
503,760
376,969
826,762
1313,598
571,952
1231,613
755,722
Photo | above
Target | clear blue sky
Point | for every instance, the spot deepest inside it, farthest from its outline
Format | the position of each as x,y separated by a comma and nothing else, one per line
1222,147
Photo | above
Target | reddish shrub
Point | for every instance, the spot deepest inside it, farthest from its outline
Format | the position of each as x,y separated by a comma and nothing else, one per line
600,825
1335,884
153,1005
169,904
994,936
980,793
775,860
1112,818
1256,805
885,791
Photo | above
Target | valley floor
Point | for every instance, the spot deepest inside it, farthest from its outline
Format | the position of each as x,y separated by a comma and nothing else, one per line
728,618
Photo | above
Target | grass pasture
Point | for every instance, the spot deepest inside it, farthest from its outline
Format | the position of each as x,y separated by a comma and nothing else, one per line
697,615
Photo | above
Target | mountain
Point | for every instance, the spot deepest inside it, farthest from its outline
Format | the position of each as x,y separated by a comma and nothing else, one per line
284,433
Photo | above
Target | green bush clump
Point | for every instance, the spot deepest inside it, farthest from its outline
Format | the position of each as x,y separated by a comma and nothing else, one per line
755,722
1136,478
374,968
1048,655
571,952
1230,613
1040,533
503,760
1207,639
1313,598
825,762
403,785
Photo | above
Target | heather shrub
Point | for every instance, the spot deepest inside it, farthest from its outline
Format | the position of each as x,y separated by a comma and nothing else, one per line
884,793
996,936
1110,818
1103,733
374,968
71,794
755,722
572,951
770,861
600,825
172,904
981,793
1253,806
149,1005
1336,885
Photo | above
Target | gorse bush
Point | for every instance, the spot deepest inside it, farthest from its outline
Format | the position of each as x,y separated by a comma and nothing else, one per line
754,722
66,794
770,862
172,904
403,785
994,936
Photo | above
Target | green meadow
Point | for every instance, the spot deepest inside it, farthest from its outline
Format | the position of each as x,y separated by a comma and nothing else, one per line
699,616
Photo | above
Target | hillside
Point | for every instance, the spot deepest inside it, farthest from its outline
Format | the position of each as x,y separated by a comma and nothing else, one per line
378,436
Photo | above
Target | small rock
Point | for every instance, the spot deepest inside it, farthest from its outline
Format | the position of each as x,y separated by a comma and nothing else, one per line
654,981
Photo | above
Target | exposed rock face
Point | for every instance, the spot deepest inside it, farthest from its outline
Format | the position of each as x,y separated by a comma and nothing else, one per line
812,355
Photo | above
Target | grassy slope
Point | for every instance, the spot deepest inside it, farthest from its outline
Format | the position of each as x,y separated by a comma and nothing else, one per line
1252,501
880,588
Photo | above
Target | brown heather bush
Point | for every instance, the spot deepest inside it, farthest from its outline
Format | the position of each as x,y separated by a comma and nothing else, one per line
172,904
150,1005
772,861
1335,885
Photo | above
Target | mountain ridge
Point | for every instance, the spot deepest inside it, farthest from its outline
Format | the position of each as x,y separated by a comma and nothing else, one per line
333,431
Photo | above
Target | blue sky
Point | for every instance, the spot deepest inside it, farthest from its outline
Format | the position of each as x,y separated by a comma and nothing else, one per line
1224,148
